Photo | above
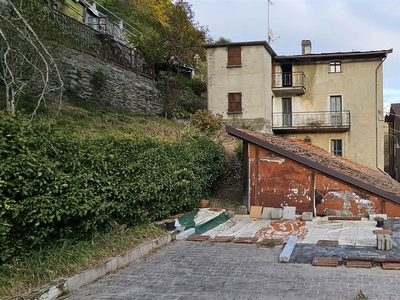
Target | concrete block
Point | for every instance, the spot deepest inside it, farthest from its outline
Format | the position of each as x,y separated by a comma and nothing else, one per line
276,213
388,242
288,250
266,213
183,235
307,216
289,212
372,216
255,212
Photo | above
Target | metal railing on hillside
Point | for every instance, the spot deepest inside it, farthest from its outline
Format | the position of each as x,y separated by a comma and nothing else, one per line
102,45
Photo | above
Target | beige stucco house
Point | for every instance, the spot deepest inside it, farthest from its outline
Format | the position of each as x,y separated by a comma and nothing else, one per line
332,100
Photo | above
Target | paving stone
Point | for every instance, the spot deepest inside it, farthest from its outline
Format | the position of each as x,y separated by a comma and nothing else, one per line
244,240
390,266
266,213
198,238
359,264
289,213
287,251
213,271
383,231
327,243
342,218
307,216
276,213
255,212
223,239
325,261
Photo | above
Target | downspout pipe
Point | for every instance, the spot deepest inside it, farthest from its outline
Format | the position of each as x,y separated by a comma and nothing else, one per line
376,111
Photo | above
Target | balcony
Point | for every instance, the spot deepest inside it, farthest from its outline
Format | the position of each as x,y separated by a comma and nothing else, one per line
320,121
288,84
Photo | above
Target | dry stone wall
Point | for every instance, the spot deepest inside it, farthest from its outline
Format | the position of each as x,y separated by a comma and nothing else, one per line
89,78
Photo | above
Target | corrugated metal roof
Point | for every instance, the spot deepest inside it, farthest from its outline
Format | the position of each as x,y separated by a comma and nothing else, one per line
373,181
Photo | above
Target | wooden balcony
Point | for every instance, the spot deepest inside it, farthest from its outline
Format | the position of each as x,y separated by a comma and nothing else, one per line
319,121
288,84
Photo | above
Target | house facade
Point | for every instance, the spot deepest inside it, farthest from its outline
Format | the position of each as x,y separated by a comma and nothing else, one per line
284,172
239,77
332,100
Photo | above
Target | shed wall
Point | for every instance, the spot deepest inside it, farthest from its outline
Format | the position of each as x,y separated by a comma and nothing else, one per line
275,181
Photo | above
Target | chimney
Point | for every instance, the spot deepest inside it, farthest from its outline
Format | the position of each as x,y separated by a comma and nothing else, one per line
305,47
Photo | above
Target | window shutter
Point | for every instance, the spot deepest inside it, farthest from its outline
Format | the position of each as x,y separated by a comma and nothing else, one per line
235,102
238,102
234,56
231,102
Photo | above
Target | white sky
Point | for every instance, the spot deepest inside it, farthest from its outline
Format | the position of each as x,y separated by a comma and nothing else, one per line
331,25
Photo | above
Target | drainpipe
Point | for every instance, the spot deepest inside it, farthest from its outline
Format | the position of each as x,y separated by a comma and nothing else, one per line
376,110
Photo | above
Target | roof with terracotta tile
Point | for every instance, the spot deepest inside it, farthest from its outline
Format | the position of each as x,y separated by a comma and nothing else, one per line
374,181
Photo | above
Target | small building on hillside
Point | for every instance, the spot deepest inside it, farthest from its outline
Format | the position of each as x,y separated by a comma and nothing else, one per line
332,100
279,171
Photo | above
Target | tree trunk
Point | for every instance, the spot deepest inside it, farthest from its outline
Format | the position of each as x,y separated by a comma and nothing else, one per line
12,102
8,105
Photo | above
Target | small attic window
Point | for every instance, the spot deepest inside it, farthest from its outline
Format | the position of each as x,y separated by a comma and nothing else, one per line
307,139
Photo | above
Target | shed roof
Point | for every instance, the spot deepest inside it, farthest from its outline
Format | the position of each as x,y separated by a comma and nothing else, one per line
373,181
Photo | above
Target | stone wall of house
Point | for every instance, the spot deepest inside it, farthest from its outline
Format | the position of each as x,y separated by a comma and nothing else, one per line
89,78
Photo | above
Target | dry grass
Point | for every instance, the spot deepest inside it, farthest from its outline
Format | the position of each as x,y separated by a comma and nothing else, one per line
68,258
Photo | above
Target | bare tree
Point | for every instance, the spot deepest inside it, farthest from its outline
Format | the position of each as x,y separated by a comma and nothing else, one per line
26,64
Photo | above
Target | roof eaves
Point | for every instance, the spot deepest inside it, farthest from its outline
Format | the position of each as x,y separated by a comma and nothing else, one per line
252,43
316,166
333,55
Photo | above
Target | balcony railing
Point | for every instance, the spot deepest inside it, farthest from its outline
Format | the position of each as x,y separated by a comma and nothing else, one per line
312,121
289,83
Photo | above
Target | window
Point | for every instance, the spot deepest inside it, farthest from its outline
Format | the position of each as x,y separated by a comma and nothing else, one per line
287,112
335,67
235,103
234,56
336,110
337,147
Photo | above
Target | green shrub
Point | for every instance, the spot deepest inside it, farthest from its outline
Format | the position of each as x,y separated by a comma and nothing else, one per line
198,86
204,120
54,185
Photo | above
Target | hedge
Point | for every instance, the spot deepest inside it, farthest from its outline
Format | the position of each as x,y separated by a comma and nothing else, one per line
56,185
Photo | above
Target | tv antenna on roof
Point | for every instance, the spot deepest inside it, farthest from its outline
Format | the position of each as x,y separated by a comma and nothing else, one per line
269,30
271,36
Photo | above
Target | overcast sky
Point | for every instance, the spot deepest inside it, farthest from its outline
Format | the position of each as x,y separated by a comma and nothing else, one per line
331,25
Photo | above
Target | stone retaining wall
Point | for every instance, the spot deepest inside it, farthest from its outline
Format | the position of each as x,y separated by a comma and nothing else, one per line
89,78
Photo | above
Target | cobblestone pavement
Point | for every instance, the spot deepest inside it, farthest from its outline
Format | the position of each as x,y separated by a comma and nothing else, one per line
194,270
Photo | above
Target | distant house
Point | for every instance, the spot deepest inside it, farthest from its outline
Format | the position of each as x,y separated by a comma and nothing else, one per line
86,13
332,100
393,120
279,171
